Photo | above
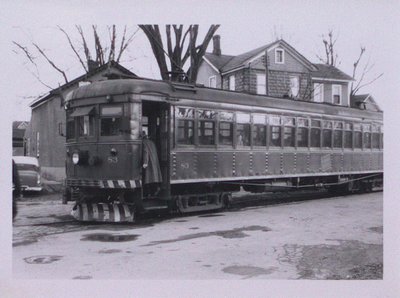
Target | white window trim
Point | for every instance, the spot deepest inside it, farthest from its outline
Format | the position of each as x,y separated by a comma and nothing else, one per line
340,94
283,56
258,75
298,85
232,78
209,81
321,85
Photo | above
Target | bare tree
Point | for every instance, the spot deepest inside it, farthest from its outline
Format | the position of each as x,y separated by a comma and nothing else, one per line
180,47
331,58
329,46
361,81
103,53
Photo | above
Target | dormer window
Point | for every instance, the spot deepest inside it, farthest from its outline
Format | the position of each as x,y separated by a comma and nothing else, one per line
279,56
337,94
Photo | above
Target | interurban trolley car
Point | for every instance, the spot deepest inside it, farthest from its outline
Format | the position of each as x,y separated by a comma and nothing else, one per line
210,143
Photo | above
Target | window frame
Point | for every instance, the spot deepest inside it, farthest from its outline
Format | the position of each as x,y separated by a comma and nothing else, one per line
299,126
102,116
245,124
271,133
297,78
340,94
277,56
232,82
254,125
185,118
321,94
209,81
230,122
261,88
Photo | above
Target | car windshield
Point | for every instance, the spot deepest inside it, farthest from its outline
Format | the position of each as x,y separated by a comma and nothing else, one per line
27,167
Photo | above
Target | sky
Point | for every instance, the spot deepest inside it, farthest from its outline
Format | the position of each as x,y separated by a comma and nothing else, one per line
245,25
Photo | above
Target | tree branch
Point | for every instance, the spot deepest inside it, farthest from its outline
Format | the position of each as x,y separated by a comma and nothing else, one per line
73,48
51,62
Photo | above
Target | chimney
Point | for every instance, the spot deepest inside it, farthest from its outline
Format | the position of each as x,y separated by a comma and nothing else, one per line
92,65
217,45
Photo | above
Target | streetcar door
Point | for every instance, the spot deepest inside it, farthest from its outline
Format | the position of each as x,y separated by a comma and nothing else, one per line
155,122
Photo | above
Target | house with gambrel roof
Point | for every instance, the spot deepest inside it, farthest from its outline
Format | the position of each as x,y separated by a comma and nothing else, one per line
45,136
275,69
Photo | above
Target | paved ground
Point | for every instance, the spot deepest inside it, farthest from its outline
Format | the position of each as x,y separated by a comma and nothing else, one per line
336,238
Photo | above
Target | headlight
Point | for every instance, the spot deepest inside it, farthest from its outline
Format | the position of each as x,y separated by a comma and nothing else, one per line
75,158
38,179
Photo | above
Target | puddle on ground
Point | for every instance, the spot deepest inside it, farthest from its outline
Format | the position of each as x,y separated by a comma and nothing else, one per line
229,234
194,228
377,229
62,217
82,277
211,215
249,271
109,251
350,259
42,259
180,220
103,237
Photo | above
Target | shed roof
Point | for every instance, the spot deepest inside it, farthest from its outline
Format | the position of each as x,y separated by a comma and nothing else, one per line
329,72
56,91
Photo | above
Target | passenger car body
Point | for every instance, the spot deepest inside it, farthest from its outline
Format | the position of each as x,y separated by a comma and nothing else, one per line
29,173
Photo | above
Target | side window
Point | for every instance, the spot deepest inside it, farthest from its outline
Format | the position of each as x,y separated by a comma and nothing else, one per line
259,130
367,136
302,132
337,134
375,136
206,127
348,135
337,94
185,126
242,129
111,120
275,131
225,131
85,125
357,136
288,131
315,133
327,134
71,128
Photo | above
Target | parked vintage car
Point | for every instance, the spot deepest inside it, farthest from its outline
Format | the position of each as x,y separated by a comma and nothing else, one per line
29,173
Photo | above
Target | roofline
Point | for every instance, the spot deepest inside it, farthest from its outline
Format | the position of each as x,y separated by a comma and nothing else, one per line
212,65
296,54
37,102
331,79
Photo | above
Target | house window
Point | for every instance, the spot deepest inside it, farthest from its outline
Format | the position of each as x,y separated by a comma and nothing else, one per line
294,86
318,92
336,94
261,89
279,56
232,83
212,82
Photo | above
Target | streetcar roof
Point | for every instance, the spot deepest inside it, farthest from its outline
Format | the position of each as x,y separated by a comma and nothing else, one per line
178,91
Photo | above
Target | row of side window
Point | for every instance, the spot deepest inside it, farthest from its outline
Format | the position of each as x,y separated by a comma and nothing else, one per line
237,129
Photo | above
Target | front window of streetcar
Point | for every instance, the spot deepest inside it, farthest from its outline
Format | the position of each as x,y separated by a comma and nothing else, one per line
111,120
